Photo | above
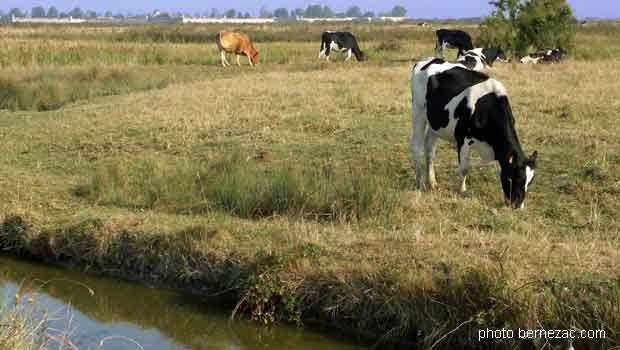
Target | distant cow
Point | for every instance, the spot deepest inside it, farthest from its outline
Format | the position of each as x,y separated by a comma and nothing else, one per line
479,59
237,43
454,39
472,110
545,56
340,42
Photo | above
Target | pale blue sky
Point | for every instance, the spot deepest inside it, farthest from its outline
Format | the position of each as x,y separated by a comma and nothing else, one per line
416,8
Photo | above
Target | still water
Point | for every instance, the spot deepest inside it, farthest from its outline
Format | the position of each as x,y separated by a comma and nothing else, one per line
154,319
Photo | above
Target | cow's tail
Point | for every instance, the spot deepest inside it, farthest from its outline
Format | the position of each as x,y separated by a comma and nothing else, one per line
218,41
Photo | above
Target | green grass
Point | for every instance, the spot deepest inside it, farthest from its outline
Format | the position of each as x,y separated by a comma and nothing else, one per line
242,188
50,90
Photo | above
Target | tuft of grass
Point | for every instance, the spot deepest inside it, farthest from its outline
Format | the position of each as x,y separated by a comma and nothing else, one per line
241,188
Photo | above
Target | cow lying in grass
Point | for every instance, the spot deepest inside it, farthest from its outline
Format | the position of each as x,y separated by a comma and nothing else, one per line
237,43
472,110
480,59
545,56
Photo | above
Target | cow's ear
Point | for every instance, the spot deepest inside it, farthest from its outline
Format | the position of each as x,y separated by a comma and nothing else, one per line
510,158
532,161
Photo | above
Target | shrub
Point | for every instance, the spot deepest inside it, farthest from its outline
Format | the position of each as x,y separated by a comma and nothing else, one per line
518,27
244,189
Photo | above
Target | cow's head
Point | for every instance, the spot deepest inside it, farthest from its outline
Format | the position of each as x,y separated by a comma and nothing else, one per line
360,56
254,57
501,56
516,176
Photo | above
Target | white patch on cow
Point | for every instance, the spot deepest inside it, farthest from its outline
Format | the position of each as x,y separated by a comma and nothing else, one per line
334,47
529,176
474,93
480,66
483,148
530,60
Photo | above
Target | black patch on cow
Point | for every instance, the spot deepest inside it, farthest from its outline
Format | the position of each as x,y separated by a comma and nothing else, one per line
469,61
454,38
491,122
492,54
434,61
471,142
443,87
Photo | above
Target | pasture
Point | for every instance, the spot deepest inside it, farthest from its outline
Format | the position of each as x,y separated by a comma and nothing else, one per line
288,188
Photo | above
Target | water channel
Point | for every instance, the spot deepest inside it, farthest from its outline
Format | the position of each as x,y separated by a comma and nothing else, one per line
116,311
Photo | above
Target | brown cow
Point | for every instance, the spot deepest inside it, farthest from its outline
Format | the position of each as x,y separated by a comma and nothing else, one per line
238,43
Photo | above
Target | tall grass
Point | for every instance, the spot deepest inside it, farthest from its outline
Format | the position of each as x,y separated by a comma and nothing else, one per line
49,90
245,189
24,327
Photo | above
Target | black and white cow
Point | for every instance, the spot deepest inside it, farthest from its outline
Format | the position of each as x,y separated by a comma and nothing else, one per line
480,59
340,42
454,39
471,110
545,56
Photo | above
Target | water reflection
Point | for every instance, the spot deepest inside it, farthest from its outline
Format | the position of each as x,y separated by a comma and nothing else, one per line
157,320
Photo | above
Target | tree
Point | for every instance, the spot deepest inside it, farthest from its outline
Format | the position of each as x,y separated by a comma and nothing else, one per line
354,11
246,15
281,12
299,12
37,12
399,11
265,13
230,13
52,12
76,13
518,26
214,13
15,12
91,14
108,14
369,14
314,11
546,24
327,12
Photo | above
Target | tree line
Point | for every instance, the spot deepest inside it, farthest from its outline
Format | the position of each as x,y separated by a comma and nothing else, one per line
313,11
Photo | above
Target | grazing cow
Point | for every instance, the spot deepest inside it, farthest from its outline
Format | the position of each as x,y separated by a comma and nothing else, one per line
237,43
454,39
479,59
340,42
545,56
471,110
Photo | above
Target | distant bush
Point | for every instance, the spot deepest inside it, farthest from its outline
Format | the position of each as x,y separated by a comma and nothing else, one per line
520,27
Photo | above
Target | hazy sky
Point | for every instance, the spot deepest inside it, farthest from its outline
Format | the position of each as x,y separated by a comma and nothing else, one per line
416,8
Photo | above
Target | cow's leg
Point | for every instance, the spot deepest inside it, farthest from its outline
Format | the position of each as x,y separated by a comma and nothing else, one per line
430,150
463,150
348,55
223,57
418,118
440,48
250,60
238,62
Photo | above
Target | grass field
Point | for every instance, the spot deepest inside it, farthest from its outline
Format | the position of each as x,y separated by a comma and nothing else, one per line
289,187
